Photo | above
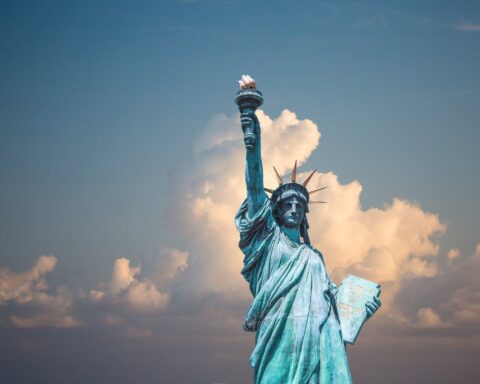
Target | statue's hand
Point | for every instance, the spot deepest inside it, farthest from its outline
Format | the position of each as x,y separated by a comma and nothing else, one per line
251,129
249,325
372,306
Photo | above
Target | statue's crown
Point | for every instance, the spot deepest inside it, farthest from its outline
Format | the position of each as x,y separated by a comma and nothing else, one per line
283,189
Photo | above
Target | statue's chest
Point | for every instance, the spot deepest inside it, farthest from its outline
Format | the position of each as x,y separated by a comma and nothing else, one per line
284,251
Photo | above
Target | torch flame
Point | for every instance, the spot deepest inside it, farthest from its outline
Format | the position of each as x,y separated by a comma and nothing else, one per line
246,82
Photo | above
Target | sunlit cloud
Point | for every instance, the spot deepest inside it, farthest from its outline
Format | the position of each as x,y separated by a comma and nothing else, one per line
142,292
428,318
396,245
463,304
453,254
30,300
450,299
391,245
188,302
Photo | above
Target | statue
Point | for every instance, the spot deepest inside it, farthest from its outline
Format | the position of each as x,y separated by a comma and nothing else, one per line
294,311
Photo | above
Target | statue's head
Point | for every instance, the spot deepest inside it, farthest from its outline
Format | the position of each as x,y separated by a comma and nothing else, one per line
290,206
290,202
290,211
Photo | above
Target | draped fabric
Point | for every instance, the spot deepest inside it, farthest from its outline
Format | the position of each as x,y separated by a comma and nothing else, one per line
298,336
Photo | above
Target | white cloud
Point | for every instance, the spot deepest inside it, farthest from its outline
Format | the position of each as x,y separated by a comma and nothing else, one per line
140,292
203,205
125,287
165,266
463,301
145,296
390,244
217,131
453,254
428,318
383,244
466,26
449,298
396,244
20,287
123,275
30,292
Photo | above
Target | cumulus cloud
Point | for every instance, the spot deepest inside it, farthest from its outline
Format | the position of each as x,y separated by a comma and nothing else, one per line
391,244
145,292
449,300
20,287
428,318
165,266
123,275
384,244
28,293
204,201
189,301
463,303
453,254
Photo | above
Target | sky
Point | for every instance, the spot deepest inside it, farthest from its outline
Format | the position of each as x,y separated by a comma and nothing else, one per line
121,169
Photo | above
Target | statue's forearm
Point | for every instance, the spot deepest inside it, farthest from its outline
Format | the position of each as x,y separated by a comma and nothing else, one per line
254,170
254,178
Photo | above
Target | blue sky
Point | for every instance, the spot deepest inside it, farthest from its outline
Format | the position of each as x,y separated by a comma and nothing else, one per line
101,99
101,102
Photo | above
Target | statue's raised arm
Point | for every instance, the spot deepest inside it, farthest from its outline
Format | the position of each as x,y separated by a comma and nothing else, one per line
248,100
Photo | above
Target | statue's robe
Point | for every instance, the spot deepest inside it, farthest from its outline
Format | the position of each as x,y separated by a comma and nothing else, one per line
298,337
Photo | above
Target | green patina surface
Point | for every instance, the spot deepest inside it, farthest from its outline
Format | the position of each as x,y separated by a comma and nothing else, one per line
298,336
294,311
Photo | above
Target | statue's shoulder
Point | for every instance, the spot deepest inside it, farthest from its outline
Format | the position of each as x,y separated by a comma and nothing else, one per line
313,249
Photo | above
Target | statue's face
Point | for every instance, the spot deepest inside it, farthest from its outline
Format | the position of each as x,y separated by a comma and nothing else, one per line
291,212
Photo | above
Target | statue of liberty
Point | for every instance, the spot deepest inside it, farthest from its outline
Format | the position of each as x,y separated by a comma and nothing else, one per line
294,311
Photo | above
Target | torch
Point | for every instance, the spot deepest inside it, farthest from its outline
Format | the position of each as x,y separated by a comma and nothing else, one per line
248,99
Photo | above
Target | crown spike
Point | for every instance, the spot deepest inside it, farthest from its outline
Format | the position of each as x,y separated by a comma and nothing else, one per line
317,202
309,177
316,190
268,190
294,172
279,179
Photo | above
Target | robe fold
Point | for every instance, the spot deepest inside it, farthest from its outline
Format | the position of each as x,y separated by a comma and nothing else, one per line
298,335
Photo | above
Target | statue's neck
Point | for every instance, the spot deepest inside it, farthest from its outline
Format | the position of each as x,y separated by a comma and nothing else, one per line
292,233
